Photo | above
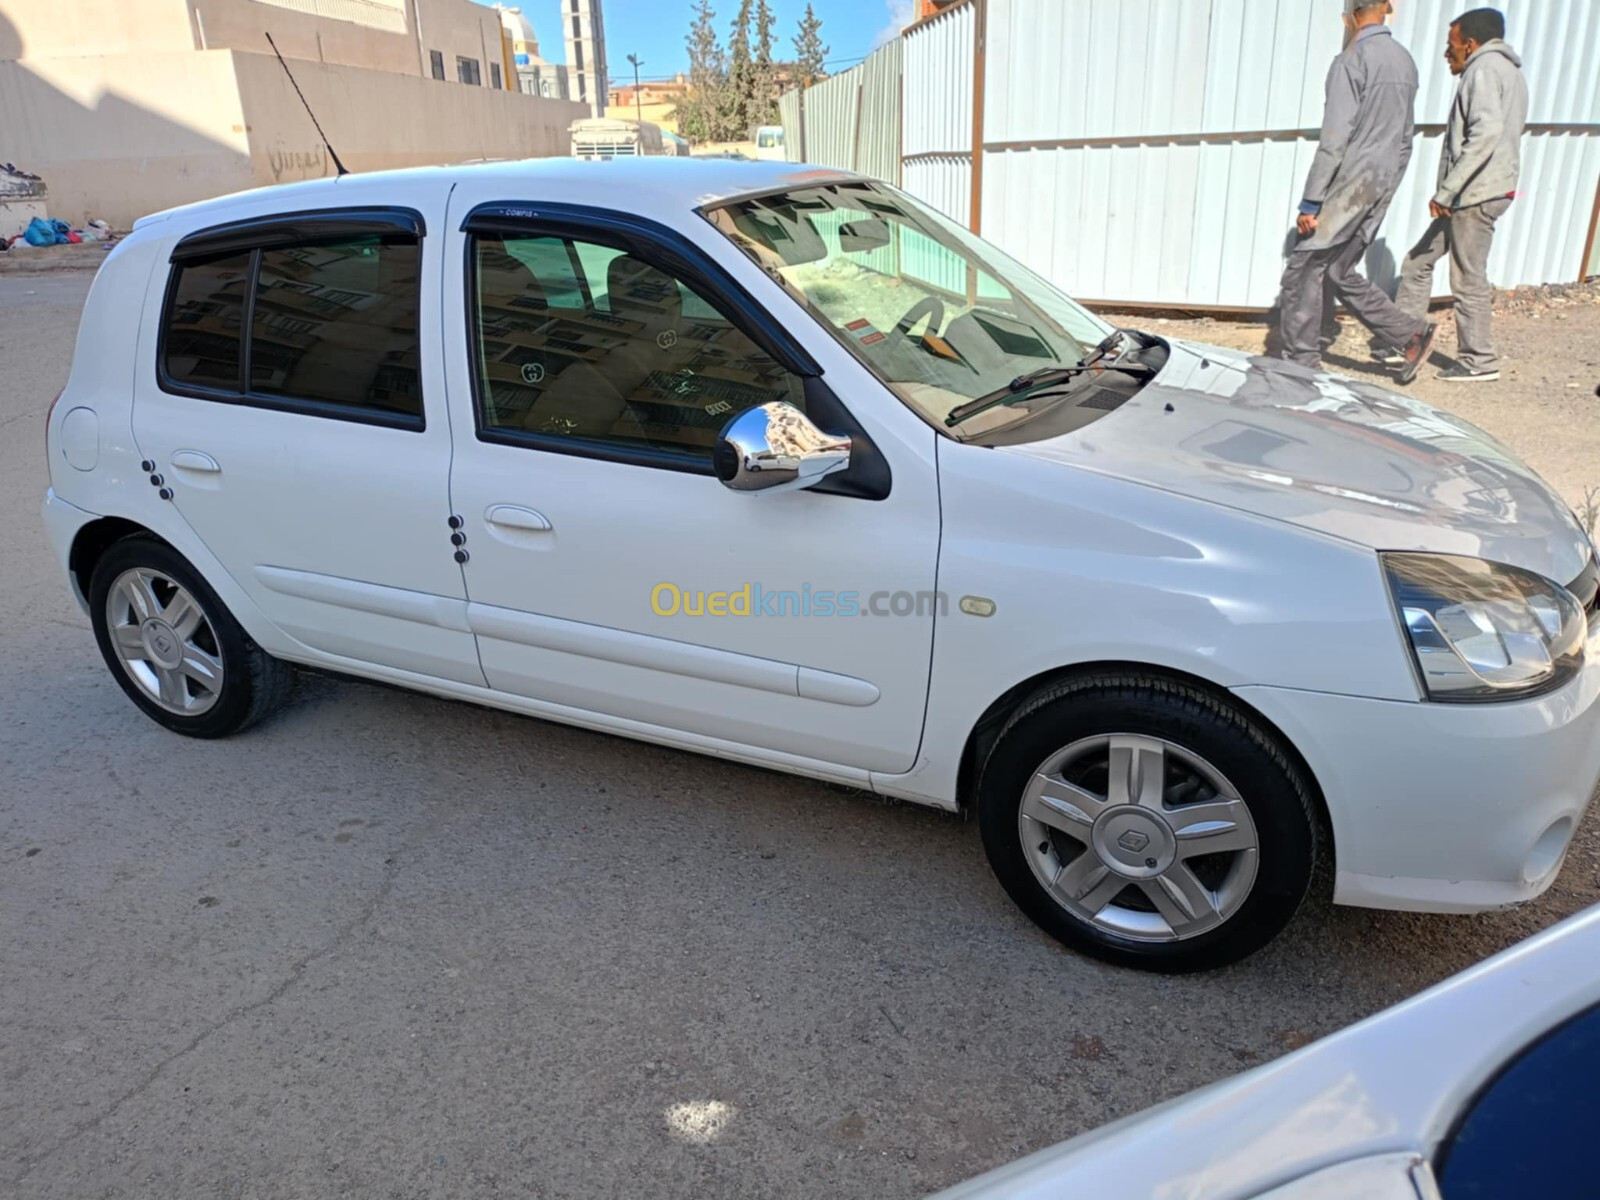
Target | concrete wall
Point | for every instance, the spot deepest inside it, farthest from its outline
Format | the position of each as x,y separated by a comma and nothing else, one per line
118,136
46,28
378,121
111,102
376,34
455,28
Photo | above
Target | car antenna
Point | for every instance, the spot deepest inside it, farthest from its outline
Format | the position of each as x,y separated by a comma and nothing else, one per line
332,153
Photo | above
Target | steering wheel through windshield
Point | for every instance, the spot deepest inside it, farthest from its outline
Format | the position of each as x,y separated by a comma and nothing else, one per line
930,308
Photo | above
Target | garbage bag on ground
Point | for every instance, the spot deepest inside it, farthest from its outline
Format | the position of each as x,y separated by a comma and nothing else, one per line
39,233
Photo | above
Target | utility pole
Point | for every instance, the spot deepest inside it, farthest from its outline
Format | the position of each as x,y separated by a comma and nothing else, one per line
638,102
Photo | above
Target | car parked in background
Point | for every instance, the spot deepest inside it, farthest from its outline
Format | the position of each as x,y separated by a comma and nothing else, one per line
777,464
769,142
1482,1088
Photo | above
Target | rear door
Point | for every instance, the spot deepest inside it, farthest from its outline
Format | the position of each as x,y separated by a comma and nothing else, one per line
291,396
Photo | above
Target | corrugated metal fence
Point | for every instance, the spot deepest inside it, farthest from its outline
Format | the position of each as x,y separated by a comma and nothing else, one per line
939,96
851,120
1153,151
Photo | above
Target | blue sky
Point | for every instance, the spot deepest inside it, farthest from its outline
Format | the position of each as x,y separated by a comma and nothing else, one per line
654,30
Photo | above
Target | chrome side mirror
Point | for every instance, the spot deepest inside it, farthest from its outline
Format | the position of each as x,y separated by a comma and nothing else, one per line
774,447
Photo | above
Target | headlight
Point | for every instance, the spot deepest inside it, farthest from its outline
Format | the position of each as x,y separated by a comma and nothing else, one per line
1484,631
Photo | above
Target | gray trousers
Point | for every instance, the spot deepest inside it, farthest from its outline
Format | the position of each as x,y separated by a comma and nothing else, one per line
1466,235
1337,270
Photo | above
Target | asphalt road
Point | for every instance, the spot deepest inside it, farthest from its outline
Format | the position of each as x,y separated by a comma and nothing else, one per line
392,946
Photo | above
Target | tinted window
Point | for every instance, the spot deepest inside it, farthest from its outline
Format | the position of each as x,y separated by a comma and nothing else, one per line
467,71
436,63
551,266
634,366
207,316
338,324
1528,1133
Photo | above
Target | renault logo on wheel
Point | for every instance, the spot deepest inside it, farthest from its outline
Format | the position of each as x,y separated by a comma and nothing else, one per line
1133,841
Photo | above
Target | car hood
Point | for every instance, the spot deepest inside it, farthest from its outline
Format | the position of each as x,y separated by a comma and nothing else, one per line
1330,454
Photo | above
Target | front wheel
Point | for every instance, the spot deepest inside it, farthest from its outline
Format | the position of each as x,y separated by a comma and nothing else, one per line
174,647
1147,823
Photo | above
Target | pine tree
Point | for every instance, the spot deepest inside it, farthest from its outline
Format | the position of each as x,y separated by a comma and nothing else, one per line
809,52
765,109
741,91
700,112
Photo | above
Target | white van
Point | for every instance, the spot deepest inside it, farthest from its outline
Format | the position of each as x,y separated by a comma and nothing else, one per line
769,143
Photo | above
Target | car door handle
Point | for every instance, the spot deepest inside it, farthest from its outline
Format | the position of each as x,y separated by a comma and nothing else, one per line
512,516
193,460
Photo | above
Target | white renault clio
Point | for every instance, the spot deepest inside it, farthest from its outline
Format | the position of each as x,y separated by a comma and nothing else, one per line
777,464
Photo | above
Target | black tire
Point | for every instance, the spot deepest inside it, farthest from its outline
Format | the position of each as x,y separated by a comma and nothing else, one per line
253,682
1278,800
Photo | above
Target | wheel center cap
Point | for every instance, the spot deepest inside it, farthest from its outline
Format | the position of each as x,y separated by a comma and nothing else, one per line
162,643
1134,842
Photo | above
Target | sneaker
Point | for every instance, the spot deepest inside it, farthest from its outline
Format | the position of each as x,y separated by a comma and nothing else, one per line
1388,356
1416,353
1460,373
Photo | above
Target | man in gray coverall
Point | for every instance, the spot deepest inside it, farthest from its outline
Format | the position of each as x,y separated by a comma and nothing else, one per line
1478,174
1361,158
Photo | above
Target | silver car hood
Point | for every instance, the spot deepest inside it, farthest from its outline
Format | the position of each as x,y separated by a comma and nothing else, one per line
1331,454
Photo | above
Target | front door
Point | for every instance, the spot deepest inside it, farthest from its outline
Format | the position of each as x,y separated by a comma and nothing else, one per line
291,398
610,572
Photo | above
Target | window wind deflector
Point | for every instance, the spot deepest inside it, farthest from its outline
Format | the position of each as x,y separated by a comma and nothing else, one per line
299,229
661,246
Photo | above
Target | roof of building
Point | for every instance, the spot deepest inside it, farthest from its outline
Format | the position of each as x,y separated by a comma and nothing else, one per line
664,185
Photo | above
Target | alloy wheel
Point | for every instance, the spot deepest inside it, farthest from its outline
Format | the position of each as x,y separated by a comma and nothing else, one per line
1139,837
164,641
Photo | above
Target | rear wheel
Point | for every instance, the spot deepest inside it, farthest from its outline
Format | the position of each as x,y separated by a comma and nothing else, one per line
173,646
1147,823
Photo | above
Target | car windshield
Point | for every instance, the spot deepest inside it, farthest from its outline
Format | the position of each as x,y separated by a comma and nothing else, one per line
939,315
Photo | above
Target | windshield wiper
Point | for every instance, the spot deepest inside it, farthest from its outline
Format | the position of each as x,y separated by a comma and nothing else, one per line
1026,387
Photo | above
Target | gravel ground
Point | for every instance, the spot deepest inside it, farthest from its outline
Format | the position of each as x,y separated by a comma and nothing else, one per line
391,946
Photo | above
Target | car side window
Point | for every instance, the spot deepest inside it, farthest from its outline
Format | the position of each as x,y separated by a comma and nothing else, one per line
328,328
337,323
631,360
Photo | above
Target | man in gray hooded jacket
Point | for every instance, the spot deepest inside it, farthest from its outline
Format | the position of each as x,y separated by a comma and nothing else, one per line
1361,158
1478,174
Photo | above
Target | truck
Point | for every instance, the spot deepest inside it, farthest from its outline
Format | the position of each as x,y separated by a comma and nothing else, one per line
615,137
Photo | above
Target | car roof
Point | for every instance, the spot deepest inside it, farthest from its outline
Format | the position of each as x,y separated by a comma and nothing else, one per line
664,186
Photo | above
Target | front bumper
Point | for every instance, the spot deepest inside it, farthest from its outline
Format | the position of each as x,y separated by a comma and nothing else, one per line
1447,807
